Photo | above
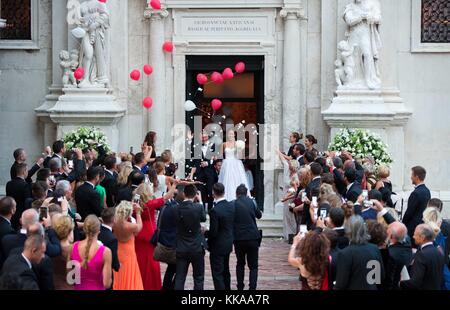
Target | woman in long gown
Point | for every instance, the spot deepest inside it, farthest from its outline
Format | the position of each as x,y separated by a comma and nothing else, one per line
128,277
232,174
150,269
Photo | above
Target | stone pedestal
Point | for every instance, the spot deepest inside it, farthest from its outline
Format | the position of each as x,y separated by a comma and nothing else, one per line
379,111
87,107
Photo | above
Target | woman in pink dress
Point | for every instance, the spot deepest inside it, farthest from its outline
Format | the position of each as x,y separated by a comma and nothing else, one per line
150,269
95,259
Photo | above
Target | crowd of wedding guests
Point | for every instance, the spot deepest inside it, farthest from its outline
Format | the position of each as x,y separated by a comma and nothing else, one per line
345,228
88,220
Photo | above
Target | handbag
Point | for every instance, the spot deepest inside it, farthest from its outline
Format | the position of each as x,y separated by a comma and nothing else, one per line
162,253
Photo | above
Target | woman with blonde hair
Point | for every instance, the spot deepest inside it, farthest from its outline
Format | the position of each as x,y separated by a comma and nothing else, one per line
95,259
125,169
383,178
63,225
125,229
150,269
433,218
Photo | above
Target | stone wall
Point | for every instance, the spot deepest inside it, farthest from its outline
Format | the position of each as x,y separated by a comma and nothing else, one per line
24,80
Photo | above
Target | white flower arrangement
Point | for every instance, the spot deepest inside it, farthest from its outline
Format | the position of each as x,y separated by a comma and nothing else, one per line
85,137
362,143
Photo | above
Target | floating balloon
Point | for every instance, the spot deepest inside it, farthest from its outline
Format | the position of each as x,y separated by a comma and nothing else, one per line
240,67
216,104
240,145
189,106
102,1
202,79
217,78
148,69
155,4
228,74
168,47
147,102
79,73
78,32
135,75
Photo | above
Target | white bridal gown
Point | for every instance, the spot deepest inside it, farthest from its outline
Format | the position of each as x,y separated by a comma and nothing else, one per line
232,174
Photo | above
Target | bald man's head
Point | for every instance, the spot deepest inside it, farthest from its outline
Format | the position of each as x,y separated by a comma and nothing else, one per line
29,217
423,234
36,229
397,232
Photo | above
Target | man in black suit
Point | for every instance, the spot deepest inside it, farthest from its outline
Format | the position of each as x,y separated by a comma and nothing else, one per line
359,265
399,255
353,187
139,162
247,237
204,170
8,243
22,264
417,201
136,178
313,189
190,246
107,237
7,210
58,152
110,180
86,198
20,190
298,151
428,263
20,157
338,174
335,221
220,238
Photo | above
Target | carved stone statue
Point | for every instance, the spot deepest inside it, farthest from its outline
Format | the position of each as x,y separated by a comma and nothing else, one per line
92,17
68,63
363,18
345,64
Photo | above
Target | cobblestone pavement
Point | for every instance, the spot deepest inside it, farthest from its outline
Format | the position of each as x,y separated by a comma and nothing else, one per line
274,271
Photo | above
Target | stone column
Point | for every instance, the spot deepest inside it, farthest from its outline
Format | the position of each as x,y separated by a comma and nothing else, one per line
157,81
292,105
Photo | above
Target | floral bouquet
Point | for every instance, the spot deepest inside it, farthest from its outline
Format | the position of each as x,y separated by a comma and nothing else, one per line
362,143
84,138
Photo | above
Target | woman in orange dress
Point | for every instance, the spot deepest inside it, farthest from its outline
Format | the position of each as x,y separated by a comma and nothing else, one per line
129,276
150,269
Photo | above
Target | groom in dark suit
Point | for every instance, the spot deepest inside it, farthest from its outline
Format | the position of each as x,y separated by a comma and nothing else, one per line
204,170
220,238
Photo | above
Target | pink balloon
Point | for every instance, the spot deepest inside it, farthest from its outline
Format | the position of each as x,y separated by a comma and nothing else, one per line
135,75
102,1
155,4
240,67
228,74
202,79
147,102
148,69
79,73
217,78
168,47
216,104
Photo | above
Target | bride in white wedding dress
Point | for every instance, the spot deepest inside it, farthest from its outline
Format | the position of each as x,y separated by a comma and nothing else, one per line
232,174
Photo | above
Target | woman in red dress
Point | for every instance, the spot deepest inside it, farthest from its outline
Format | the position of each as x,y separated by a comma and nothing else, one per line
150,269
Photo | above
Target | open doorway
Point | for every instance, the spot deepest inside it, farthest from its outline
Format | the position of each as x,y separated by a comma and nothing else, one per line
242,98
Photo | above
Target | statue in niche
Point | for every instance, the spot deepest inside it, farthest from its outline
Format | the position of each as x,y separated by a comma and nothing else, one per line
345,64
92,20
363,18
68,67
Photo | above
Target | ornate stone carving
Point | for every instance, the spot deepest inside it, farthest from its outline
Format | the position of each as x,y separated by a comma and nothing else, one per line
292,13
92,20
69,63
150,13
363,18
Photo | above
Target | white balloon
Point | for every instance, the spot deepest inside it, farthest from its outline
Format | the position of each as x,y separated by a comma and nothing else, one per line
78,32
240,145
189,106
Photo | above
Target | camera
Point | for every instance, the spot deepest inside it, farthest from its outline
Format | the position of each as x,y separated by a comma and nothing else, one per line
137,198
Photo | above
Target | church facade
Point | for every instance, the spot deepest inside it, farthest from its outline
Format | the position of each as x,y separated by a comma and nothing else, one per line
290,48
